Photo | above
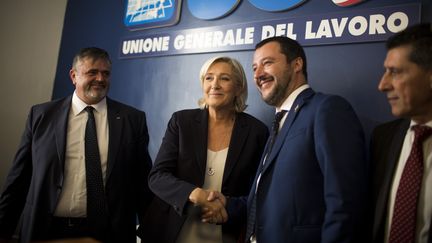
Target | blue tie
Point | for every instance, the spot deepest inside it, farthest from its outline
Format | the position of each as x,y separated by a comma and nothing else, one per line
97,210
252,211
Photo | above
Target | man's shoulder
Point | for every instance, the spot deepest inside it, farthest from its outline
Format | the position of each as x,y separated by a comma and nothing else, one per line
391,126
323,101
117,105
329,97
53,104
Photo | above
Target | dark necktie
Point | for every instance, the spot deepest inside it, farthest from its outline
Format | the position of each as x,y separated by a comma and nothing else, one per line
97,211
252,211
403,223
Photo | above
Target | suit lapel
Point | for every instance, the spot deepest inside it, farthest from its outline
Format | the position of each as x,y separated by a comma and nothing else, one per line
391,161
239,136
200,128
61,123
115,126
301,99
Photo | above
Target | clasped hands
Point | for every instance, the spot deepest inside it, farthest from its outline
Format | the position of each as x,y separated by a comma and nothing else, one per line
212,204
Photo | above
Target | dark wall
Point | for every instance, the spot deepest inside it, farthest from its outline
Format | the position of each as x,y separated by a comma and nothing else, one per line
162,85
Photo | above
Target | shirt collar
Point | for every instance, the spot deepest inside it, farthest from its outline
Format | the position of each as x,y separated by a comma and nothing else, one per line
413,123
78,105
286,105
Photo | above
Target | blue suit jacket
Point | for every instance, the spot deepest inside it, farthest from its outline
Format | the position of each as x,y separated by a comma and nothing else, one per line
180,167
35,180
313,186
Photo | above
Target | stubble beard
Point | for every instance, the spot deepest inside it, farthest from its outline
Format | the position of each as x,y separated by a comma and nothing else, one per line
277,94
96,96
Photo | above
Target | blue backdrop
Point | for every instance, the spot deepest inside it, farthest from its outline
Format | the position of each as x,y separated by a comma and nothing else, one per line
161,85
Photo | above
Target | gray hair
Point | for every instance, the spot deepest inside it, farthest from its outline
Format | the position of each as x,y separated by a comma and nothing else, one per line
93,53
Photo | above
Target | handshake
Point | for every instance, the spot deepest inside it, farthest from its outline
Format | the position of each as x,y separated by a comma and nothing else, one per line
212,204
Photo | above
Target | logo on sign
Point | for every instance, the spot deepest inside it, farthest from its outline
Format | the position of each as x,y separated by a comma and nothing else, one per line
211,9
276,5
346,3
142,14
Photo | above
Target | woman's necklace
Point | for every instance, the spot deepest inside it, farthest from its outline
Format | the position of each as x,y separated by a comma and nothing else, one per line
211,170
214,155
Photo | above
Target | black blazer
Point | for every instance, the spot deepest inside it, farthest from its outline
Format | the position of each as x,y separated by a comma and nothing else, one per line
35,180
180,167
386,145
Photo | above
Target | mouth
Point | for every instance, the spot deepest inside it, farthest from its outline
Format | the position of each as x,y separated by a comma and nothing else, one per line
215,94
392,98
98,86
264,82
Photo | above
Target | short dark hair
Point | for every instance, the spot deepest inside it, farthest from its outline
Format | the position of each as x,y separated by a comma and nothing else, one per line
94,53
289,47
419,37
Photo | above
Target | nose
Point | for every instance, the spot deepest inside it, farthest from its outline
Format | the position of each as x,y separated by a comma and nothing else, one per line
385,82
100,76
258,72
215,84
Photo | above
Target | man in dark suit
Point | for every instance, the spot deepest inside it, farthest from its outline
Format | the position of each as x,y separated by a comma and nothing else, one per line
312,185
48,183
407,83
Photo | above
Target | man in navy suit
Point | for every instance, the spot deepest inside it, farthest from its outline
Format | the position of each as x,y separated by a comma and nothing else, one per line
407,83
312,185
47,181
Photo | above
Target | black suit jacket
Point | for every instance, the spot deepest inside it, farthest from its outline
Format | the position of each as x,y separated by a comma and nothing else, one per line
386,146
35,180
180,167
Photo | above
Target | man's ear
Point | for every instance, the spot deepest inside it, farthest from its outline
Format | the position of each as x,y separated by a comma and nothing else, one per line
298,64
72,75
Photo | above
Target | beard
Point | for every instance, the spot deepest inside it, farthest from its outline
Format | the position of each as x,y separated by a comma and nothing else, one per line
278,94
96,95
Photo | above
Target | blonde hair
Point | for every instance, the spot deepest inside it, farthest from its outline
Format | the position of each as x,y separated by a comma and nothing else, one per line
239,79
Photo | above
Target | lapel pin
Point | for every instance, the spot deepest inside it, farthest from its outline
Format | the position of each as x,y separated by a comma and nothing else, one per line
296,108
118,118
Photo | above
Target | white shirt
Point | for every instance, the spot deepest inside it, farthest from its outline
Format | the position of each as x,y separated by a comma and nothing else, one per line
73,198
424,208
287,104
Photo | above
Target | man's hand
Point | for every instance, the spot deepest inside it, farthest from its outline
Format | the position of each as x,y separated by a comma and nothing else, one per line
212,204
208,216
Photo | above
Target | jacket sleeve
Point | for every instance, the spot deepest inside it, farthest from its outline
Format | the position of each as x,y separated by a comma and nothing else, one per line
341,154
144,164
164,180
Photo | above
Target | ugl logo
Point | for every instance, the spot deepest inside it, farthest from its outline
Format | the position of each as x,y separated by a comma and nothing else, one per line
143,14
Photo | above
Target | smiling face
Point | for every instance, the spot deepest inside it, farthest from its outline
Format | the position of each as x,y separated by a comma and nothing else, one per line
407,86
273,74
219,86
91,79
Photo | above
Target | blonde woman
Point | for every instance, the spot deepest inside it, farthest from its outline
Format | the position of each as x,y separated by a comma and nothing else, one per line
216,147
